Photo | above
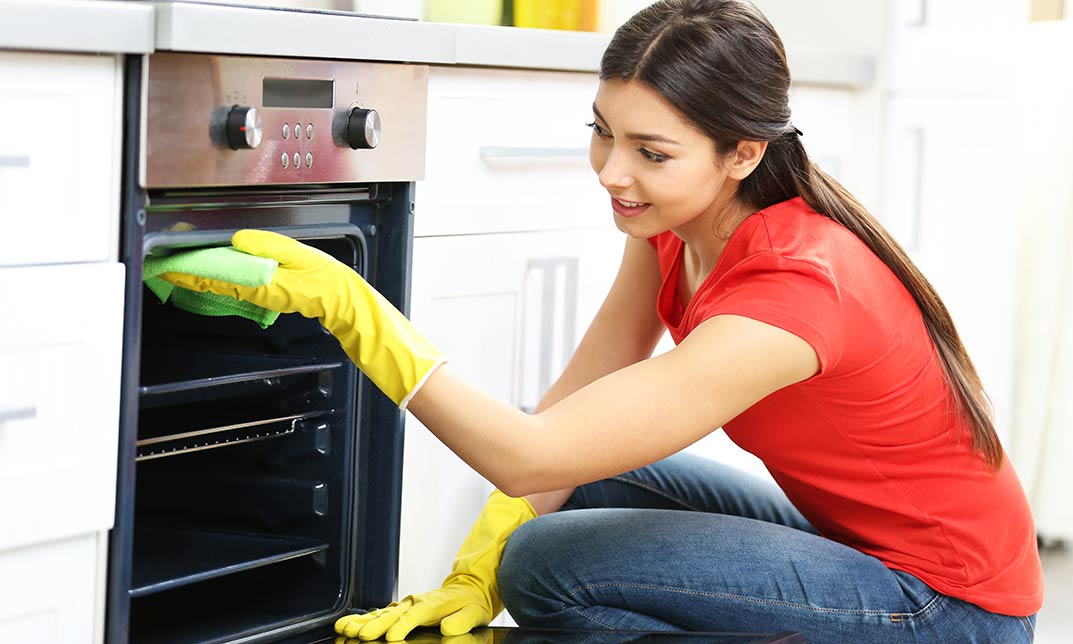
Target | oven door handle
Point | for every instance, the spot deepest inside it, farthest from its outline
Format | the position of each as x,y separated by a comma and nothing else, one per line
8,414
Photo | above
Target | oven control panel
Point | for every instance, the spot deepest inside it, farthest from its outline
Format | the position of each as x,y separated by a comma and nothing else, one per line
234,120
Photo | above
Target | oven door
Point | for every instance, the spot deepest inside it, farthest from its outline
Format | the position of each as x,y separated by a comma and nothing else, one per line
260,472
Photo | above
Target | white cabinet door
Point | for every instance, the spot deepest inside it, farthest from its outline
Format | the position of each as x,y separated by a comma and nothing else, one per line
60,353
59,158
945,45
49,592
950,191
508,151
499,306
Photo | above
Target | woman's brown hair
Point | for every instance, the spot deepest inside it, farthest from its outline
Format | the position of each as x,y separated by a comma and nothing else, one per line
721,64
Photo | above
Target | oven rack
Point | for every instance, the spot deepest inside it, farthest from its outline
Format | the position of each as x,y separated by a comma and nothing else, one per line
215,437
185,371
169,558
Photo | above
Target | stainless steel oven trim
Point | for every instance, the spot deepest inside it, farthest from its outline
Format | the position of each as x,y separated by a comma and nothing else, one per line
188,96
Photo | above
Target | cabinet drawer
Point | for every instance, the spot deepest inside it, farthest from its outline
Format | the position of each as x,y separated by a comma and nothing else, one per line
59,158
49,591
508,151
60,350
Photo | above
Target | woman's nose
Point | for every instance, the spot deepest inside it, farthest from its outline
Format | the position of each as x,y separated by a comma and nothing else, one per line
615,173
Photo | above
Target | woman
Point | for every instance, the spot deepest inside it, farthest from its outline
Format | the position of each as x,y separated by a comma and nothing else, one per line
802,329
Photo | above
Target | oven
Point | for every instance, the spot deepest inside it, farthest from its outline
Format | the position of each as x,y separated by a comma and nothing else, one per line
259,471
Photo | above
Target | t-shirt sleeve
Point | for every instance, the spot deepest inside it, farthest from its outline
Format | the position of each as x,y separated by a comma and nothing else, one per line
795,295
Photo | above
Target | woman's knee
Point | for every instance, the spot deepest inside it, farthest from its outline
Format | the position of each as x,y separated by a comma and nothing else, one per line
527,571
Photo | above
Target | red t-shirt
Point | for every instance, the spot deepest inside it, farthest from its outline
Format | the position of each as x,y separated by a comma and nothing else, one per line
868,449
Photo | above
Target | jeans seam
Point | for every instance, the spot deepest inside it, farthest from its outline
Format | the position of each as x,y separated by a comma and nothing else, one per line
581,612
1029,628
932,604
743,598
657,491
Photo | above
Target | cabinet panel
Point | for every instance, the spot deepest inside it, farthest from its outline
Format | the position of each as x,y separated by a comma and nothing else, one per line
49,592
59,158
60,347
508,151
481,300
945,45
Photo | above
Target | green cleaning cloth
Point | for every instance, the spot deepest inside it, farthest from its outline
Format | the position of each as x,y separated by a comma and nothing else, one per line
227,264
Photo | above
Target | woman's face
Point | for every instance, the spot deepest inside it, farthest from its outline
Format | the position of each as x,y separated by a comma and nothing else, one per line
661,172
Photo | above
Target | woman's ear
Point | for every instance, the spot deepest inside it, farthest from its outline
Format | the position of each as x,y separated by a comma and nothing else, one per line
746,158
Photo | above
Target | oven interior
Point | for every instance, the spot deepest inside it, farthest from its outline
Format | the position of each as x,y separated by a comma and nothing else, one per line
263,467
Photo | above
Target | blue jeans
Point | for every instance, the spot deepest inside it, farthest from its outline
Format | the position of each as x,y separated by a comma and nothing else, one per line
690,544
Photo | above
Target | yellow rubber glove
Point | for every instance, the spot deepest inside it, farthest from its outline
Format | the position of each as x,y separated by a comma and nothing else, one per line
376,336
469,596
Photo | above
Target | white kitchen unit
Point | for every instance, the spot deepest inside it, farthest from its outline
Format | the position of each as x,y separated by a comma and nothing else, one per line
62,322
60,338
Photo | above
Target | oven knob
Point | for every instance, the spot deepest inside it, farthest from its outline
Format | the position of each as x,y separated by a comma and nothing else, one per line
363,128
243,127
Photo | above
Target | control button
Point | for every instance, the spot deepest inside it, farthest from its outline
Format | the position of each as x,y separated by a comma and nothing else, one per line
243,127
363,128
309,159
309,131
286,131
285,160
297,160
297,130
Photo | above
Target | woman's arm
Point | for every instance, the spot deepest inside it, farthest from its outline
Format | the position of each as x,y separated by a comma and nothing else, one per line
631,417
625,331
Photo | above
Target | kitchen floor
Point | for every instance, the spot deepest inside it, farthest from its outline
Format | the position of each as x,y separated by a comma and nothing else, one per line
1054,625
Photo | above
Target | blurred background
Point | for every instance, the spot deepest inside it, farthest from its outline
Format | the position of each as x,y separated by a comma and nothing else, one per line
952,120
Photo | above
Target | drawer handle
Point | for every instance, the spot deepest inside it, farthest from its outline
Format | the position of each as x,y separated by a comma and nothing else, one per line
14,161
508,152
16,413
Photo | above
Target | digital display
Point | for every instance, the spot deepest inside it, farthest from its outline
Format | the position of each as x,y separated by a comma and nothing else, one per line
297,92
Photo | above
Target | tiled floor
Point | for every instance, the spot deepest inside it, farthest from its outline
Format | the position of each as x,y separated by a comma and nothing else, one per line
1054,625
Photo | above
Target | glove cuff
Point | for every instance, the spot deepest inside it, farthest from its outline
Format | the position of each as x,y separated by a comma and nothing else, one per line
478,559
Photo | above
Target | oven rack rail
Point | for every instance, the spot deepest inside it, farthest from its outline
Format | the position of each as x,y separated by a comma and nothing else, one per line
215,437
169,558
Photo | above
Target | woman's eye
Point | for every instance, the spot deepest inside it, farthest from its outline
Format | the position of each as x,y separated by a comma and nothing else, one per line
654,157
600,132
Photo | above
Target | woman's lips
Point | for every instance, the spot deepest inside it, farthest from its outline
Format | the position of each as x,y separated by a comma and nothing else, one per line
627,211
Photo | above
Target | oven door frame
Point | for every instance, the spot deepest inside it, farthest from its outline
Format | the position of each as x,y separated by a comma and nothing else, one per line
378,480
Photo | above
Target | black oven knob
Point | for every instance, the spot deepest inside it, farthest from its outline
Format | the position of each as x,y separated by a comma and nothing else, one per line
243,127
363,128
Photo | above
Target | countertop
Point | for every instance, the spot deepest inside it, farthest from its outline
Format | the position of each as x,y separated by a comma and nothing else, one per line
141,27
77,26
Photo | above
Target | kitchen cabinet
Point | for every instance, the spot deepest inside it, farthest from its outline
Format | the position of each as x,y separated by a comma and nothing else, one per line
48,592
950,45
508,151
60,340
59,158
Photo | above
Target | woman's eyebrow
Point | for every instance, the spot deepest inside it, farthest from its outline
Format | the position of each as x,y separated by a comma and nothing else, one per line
635,135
